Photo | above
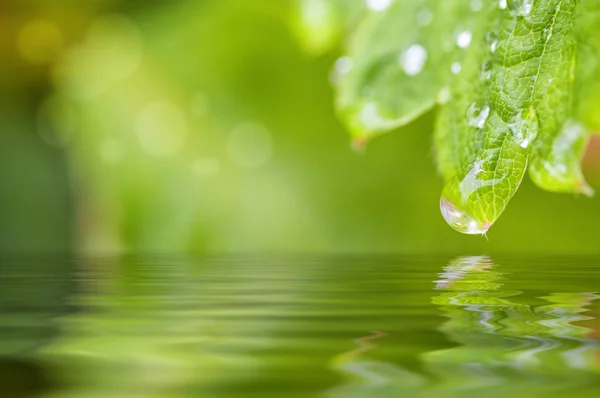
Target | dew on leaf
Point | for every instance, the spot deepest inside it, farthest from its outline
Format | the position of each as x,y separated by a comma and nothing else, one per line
502,4
378,5
486,70
524,127
455,68
520,8
461,221
413,59
463,39
477,114
491,39
343,65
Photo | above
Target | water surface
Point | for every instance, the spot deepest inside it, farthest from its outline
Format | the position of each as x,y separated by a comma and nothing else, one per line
355,326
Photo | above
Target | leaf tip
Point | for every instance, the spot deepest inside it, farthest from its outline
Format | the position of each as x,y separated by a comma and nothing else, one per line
585,189
359,144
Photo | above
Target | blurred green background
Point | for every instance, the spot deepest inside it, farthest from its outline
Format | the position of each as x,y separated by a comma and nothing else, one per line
208,126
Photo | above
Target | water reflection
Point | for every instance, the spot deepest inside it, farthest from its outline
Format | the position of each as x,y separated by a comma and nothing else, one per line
508,343
271,328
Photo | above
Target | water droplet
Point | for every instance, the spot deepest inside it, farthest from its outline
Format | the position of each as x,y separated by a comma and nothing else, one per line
455,68
486,70
502,4
520,8
461,221
342,67
477,114
524,127
476,5
378,5
463,39
413,59
424,17
457,198
491,39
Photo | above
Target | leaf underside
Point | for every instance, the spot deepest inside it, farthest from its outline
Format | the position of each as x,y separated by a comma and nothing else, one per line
517,81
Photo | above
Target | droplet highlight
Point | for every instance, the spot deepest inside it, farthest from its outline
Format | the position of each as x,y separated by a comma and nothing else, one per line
378,5
524,127
477,114
461,221
521,8
413,59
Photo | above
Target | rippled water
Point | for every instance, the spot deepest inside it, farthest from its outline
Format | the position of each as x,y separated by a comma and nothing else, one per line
300,327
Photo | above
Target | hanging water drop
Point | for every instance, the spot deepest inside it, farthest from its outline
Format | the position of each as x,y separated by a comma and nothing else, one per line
461,221
463,39
477,114
502,4
486,70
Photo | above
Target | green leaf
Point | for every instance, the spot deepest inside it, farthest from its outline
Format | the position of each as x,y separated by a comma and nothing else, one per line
402,60
587,74
457,140
556,156
526,95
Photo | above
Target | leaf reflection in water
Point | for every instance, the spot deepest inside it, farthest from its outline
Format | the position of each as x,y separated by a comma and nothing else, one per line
501,338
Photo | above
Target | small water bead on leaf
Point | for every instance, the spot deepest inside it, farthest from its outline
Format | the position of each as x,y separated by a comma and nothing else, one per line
413,59
502,4
520,8
477,114
492,40
463,39
342,67
524,127
378,5
455,68
486,70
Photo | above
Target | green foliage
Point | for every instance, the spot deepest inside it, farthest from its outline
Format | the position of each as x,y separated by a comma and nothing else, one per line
516,81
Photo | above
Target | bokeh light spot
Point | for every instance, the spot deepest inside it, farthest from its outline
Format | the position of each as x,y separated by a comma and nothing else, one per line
161,129
40,41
